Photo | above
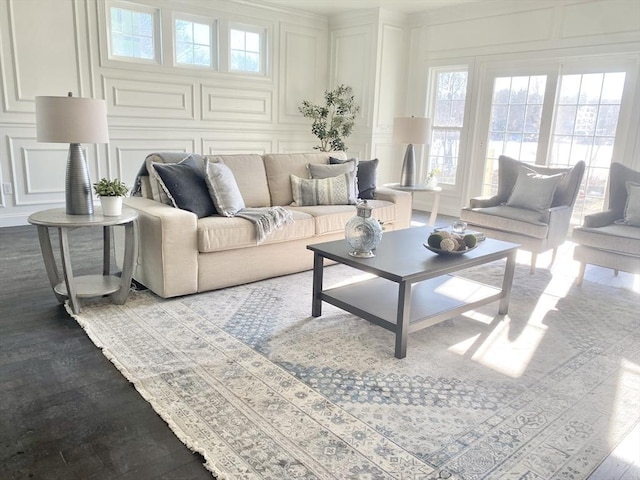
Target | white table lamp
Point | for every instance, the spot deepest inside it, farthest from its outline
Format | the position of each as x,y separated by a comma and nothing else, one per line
410,130
73,120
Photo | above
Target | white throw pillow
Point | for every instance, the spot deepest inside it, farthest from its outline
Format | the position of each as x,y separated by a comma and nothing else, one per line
223,189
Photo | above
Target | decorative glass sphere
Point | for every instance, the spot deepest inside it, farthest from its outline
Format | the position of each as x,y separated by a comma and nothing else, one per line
363,233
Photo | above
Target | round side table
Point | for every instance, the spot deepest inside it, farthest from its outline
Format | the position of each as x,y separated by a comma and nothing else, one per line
75,288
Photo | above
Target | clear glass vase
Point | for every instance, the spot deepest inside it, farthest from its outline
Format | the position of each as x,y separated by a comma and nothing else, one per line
363,232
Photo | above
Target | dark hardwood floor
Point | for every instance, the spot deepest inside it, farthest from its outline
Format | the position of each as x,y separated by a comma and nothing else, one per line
65,411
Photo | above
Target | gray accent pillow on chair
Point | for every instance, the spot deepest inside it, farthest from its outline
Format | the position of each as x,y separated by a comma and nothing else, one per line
632,208
533,191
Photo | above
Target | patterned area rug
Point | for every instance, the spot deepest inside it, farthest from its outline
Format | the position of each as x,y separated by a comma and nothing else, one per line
262,390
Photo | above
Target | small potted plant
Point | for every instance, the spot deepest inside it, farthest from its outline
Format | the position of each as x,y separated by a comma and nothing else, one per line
432,178
110,193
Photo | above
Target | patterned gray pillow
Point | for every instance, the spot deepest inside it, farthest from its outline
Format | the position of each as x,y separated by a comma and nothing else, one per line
338,190
223,189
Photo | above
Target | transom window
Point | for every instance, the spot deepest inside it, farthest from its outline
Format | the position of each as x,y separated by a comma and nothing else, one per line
245,50
193,43
132,33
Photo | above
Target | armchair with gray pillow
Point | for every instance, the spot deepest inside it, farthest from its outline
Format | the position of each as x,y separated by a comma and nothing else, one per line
533,206
611,238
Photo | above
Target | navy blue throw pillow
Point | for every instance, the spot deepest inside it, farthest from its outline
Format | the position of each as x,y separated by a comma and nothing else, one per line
366,175
185,185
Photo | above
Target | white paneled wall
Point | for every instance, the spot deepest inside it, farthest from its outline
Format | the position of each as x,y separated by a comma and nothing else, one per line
51,47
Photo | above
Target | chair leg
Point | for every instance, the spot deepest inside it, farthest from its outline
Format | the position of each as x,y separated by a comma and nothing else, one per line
615,272
534,258
583,267
553,255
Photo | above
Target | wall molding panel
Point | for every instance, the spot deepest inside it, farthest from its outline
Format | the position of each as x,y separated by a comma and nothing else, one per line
144,99
236,105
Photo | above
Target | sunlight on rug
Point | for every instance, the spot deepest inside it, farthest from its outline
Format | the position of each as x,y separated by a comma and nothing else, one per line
261,389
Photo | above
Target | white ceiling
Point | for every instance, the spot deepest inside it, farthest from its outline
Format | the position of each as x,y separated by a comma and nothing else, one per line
330,7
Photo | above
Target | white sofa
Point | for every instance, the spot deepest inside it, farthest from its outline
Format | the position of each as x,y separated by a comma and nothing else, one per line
179,253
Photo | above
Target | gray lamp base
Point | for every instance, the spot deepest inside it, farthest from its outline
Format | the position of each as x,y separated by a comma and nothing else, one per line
409,174
77,183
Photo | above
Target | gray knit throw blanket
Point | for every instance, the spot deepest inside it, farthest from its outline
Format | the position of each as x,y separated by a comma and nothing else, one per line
266,219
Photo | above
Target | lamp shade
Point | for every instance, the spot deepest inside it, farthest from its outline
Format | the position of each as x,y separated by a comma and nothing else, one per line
412,130
71,120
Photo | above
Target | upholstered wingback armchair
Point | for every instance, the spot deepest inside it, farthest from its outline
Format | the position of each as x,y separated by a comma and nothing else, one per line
611,238
533,206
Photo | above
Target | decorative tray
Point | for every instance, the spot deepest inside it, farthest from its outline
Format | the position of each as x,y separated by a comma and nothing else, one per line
446,252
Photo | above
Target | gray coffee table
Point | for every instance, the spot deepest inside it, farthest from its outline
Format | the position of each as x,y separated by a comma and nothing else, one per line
413,287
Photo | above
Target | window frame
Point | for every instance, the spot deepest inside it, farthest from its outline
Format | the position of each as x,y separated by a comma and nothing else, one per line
213,38
157,32
554,68
262,32
432,81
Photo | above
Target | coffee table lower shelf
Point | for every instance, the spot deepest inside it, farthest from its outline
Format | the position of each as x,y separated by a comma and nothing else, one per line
432,301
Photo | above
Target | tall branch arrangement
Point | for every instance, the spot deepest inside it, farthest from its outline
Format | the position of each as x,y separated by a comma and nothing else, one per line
333,121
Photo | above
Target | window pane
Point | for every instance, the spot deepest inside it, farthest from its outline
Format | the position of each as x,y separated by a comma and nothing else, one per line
253,42
245,51
591,88
183,31
569,90
201,34
237,40
565,120
201,55
612,88
132,34
184,52
514,126
607,120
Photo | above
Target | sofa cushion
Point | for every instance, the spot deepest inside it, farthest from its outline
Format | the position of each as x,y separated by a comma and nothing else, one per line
333,218
184,184
508,219
228,233
250,175
340,190
532,190
279,166
223,188
624,238
366,172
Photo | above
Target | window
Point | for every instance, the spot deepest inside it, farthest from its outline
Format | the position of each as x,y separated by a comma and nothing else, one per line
245,50
582,122
587,112
514,126
133,33
450,95
193,43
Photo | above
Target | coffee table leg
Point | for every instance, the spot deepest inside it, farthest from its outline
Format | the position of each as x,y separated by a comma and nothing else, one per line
318,270
507,282
403,317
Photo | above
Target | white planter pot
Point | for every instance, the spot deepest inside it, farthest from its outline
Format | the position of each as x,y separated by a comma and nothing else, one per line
111,206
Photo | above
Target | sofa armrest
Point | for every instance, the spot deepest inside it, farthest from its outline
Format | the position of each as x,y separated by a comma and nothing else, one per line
167,261
600,219
403,202
484,202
